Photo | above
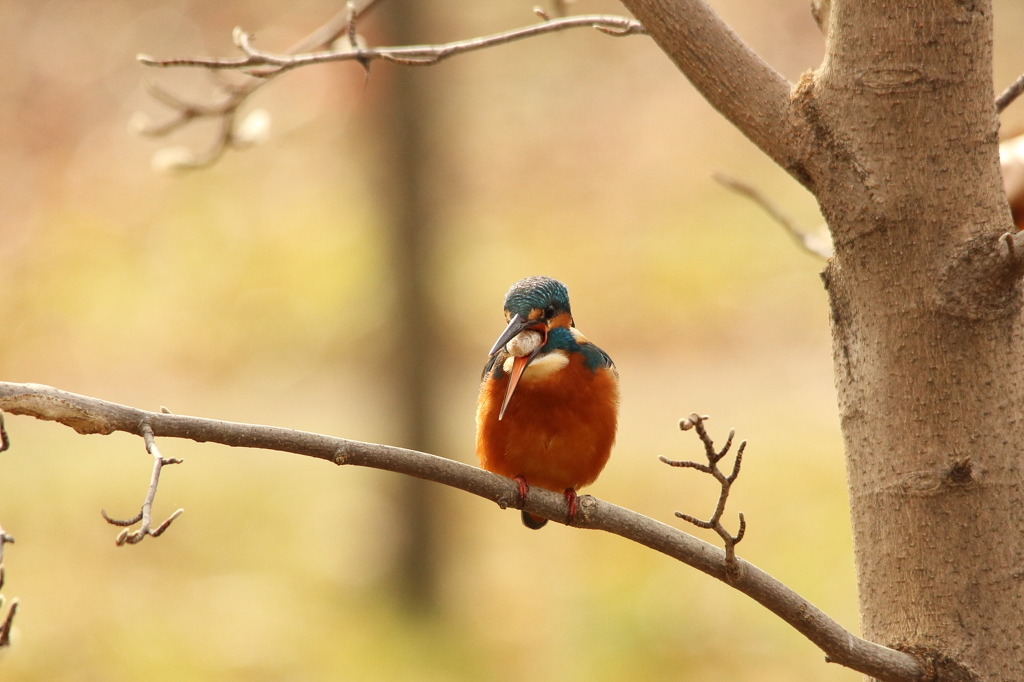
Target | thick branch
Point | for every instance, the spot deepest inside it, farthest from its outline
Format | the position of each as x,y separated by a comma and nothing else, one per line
90,415
731,76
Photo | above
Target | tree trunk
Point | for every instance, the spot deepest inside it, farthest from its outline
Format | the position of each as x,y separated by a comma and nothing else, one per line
409,209
925,311
896,135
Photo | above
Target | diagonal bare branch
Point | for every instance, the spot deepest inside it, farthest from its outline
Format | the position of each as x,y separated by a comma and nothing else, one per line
1010,94
91,415
817,242
732,77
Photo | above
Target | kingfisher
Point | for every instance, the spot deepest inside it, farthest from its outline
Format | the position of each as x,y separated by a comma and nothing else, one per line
549,398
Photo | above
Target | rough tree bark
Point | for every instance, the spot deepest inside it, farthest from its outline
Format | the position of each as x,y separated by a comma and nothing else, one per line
896,136
926,327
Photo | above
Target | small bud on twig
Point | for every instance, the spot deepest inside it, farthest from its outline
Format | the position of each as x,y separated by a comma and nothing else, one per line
254,129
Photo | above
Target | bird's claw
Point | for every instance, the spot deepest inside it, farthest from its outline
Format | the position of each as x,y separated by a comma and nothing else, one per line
570,498
524,488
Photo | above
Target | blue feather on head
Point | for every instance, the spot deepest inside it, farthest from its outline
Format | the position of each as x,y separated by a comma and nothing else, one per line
537,293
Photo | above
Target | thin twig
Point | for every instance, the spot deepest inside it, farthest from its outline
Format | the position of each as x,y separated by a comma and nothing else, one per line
146,514
4,539
261,67
90,415
8,621
236,94
1011,246
714,457
414,55
1009,94
816,242
5,443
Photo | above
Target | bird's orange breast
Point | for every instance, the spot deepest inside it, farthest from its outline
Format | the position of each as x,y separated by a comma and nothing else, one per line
558,429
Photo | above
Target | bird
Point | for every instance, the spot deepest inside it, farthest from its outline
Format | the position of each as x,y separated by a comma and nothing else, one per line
548,406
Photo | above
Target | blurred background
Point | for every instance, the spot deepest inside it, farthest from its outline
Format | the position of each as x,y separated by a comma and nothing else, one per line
346,277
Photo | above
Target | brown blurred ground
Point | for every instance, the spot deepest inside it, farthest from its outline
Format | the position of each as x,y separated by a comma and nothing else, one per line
254,292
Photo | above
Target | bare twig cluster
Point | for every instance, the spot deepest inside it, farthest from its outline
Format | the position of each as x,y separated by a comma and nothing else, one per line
711,468
233,95
336,41
145,515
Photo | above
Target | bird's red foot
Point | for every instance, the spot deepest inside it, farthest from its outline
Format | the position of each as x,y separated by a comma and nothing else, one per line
531,521
524,488
570,498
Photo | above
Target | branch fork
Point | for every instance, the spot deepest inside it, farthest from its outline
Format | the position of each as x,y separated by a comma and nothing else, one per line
414,55
321,46
711,468
145,515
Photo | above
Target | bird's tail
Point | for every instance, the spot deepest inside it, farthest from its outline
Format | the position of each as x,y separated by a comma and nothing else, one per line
533,521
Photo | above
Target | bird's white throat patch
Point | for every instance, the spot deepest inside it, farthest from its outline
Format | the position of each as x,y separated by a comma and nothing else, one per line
542,367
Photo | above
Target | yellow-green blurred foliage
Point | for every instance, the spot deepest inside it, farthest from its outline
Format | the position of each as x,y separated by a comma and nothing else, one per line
256,291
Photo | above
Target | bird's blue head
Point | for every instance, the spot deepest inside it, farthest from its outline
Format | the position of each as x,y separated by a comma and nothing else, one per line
535,306
538,298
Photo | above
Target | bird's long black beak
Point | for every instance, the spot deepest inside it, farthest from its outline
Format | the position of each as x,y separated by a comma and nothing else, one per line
515,325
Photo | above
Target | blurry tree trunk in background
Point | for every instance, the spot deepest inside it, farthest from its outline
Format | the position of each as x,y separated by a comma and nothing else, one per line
404,128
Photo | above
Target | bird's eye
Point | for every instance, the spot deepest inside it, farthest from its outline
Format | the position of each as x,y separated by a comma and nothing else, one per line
549,312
